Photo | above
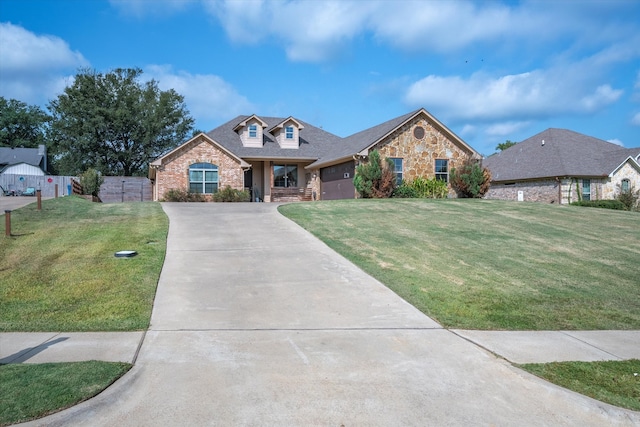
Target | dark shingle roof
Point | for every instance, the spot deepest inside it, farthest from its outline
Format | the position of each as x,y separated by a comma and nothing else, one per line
316,145
359,141
314,142
564,153
13,156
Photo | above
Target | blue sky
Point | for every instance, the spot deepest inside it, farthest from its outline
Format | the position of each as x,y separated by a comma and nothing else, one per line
490,71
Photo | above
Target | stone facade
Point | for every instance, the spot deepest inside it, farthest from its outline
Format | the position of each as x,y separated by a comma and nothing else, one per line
174,171
420,152
611,189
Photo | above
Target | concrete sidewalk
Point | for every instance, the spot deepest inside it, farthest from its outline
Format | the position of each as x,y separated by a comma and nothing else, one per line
515,346
256,322
46,347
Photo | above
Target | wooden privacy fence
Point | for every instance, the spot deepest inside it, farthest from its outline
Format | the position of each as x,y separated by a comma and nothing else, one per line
118,189
115,189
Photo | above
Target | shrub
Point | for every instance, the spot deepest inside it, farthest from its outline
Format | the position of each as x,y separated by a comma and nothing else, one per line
430,188
422,188
375,179
605,204
470,180
405,191
91,180
229,194
179,195
629,198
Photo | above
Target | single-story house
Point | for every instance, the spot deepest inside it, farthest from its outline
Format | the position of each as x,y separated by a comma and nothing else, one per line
283,159
562,166
23,161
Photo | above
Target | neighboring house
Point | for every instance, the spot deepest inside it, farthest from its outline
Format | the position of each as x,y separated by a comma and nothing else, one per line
562,166
282,159
23,161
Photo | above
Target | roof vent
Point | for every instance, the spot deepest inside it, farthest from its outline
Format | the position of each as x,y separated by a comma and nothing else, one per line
543,142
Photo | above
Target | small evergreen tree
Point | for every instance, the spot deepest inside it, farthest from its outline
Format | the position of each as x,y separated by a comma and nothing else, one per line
91,180
628,197
470,180
375,179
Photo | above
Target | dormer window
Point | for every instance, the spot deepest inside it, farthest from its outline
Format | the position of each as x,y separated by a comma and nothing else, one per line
251,131
287,133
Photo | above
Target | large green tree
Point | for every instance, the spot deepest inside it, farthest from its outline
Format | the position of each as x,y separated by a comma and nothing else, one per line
504,145
115,123
21,125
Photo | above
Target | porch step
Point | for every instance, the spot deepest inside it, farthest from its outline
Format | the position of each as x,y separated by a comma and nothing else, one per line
291,194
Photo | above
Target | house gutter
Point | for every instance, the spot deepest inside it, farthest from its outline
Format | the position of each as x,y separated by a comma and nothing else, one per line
329,162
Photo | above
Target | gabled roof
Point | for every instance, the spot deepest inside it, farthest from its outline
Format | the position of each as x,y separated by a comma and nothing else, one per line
361,142
316,146
314,142
13,156
158,162
244,122
564,153
282,123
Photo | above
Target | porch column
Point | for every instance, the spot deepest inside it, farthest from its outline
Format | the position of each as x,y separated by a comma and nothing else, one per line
266,179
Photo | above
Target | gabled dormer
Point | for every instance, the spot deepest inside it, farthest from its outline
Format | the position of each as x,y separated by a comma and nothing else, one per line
251,131
287,133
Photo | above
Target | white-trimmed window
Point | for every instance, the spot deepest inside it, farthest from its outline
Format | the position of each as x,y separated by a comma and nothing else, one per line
442,170
397,169
625,185
288,132
253,131
586,189
203,178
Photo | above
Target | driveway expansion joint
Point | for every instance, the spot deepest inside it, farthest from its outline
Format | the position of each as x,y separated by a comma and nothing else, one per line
568,333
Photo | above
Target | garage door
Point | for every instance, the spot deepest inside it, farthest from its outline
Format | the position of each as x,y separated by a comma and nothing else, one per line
337,181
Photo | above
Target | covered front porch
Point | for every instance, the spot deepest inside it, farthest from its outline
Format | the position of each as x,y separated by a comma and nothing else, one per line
278,181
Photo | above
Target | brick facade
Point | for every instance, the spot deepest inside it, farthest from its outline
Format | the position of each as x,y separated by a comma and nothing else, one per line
547,191
532,191
174,171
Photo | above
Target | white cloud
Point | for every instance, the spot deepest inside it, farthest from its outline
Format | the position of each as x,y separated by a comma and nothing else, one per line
33,67
208,97
438,26
603,95
534,94
469,130
616,141
319,30
506,128
311,31
635,120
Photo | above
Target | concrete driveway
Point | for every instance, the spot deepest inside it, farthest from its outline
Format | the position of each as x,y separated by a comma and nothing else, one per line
258,323
10,203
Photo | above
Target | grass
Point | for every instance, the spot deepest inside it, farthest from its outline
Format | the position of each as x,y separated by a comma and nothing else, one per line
33,391
479,264
614,382
58,271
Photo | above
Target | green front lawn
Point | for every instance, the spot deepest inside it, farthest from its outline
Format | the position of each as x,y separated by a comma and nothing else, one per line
479,264
33,391
58,271
614,382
